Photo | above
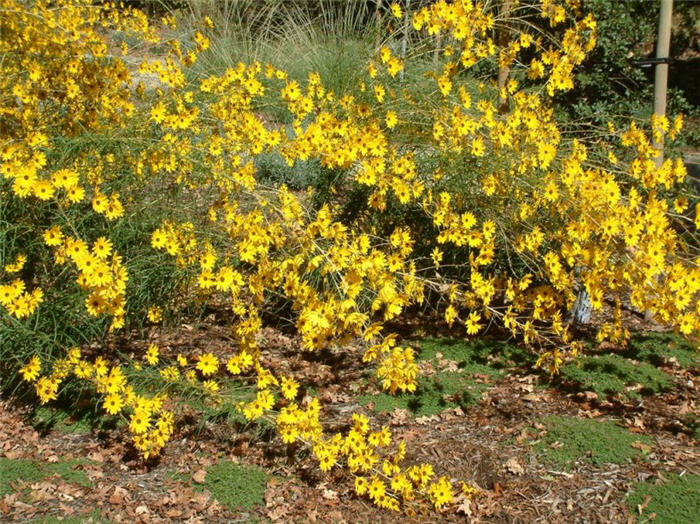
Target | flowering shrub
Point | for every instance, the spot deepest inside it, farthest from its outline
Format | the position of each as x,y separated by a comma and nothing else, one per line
128,191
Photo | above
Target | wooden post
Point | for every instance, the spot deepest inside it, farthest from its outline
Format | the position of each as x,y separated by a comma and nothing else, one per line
663,48
503,72
436,52
404,41
377,23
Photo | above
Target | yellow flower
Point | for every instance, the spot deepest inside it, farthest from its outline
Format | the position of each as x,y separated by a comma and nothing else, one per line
210,386
391,119
289,388
17,265
139,422
208,364
440,492
31,370
152,354
53,236
46,389
113,403
155,314
43,189
102,248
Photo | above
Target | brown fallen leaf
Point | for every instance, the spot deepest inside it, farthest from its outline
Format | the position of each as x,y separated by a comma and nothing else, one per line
117,496
514,466
399,417
644,448
427,419
278,513
532,397
644,504
465,506
329,494
200,476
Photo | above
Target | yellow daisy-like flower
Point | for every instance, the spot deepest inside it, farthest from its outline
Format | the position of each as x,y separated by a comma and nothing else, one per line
391,119
138,423
152,354
155,314
289,388
113,403
102,248
208,364
31,370
53,237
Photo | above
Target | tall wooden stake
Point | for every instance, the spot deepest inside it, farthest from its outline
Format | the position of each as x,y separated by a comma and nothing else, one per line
503,71
663,48
377,23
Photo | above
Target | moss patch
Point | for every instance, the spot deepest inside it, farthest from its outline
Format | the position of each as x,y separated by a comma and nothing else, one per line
613,374
236,486
445,389
434,394
93,517
569,439
22,470
675,500
80,422
660,348
476,356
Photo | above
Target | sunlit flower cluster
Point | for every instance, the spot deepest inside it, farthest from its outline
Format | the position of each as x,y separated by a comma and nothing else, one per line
490,215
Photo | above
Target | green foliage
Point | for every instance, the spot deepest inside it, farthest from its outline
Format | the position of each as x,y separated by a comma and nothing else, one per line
13,470
610,86
74,421
236,486
673,500
480,355
449,389
613,374
272,170
93,517
659,348
329,37
23,470
62,321
68,471
569,439
433,395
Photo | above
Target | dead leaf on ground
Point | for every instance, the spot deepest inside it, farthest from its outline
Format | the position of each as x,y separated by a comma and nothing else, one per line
465,506
644,448
200,476
514,466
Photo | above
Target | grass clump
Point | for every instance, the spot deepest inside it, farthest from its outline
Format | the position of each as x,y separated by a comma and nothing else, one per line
236,486
659,348
675,500
24,470
613,374
569,439
46,418
475,356
449,389
93,517
433,395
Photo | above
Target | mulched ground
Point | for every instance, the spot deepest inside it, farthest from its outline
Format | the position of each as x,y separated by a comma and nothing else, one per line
486,444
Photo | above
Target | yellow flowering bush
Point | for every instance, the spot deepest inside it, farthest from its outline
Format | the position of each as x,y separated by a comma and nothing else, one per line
128,191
